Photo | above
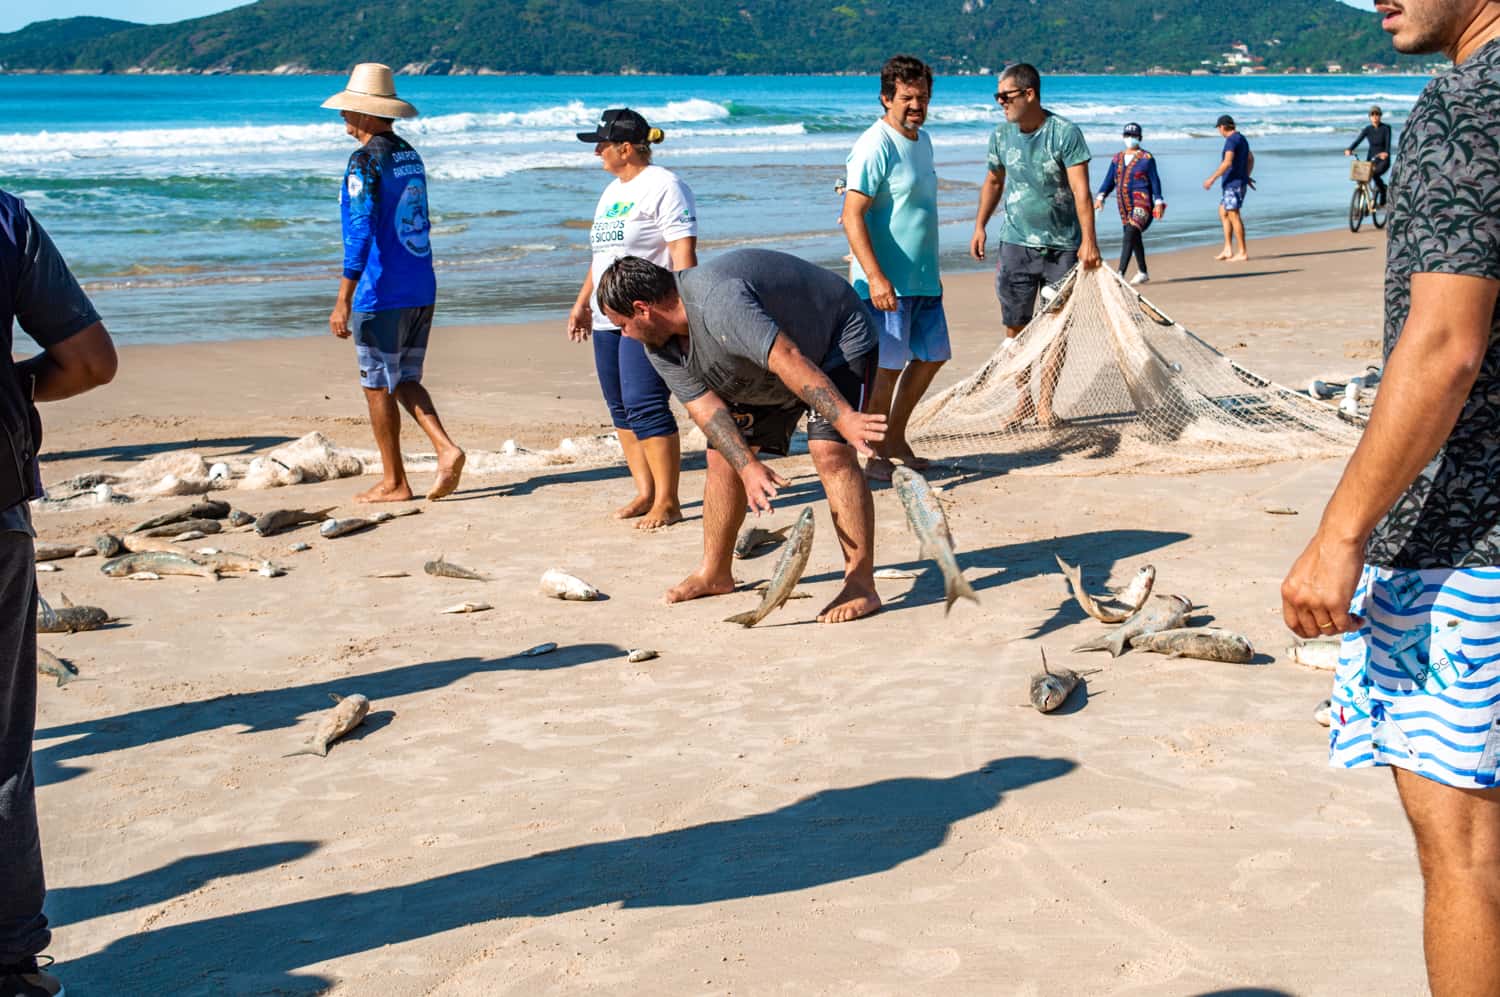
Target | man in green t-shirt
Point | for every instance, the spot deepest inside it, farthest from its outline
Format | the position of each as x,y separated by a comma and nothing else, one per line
1039,165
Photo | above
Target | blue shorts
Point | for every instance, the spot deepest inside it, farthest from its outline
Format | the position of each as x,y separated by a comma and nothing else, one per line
1232,196
916,330
390,345
1418,686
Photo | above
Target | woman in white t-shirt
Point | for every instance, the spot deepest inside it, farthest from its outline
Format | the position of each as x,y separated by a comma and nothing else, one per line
646,211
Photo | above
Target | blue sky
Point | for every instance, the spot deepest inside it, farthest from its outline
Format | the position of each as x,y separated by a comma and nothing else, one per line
19,14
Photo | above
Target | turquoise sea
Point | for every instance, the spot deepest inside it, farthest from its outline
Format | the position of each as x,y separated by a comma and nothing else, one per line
206,207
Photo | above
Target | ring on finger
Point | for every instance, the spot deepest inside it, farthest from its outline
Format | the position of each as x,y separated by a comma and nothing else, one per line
1326,626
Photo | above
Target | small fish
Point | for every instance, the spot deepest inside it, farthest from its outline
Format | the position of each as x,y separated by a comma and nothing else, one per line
188,536
269,570
347,715
540,649
796,593
139,543
1322,713
46,551
1322,653
69,619
1050,689
928,522
232,561
467,607
1120,606
1204,643
85,552
1281,511
788,572
299,548
389,574
239,517
206,509
47,566
1161,612
892,574
205,551
273,522
203,526
157,562
48,663
560,585
143,576
108,544
641,654
442,568
752,538
343,527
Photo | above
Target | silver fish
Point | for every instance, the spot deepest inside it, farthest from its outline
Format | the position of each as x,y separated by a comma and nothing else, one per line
466,607
1205,643
108,544
347,715
560,585
205,509
926,518
342,527
1321,653
46,551
239,517
1322,714
1120,606
175,527
787,574
540,649
1161,612
441,568
48,663
640,654
160,562
752,538
269,523
1050,689
231,561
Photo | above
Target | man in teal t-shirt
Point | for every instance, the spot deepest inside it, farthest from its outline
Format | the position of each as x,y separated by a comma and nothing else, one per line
891,218
1039,165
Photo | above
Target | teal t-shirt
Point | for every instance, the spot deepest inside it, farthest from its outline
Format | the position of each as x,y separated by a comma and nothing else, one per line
899,177
1039,208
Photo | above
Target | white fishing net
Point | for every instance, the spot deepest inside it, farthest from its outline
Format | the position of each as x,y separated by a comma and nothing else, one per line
1129,390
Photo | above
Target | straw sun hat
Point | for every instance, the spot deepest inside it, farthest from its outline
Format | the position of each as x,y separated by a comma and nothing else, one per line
371,90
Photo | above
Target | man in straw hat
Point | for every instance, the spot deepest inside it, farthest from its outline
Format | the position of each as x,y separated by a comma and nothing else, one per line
386,295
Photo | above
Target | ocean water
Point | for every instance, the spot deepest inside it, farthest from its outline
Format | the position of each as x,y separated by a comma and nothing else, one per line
207,207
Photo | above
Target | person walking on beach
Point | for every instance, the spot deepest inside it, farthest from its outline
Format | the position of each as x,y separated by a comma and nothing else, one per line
1132,172
1379,137
1039,166
1236,167
890,218
388,288
749,342
1406,560
38,291
646,211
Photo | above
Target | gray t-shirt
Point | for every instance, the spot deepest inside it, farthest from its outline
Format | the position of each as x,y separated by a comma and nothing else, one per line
737,303
1445,218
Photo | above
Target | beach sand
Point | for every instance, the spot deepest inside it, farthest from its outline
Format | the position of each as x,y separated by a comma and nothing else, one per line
796,809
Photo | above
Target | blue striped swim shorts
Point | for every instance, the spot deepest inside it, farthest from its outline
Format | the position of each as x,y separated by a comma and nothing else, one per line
1418,685
391,345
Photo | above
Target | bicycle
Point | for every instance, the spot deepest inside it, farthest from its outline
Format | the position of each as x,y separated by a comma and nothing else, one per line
1363,202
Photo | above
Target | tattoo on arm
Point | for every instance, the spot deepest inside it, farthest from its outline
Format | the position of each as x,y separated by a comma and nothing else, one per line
825,400
725,437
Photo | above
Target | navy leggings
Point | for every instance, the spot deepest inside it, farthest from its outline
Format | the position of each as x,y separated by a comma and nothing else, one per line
637,397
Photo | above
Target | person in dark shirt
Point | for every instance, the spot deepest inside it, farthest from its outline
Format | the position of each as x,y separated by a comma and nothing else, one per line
38,292
1236,167
1379,137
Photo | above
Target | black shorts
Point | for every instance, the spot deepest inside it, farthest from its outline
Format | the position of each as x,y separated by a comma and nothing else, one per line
1020,274
769,428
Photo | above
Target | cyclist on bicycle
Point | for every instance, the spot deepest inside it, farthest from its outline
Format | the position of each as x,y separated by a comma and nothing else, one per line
1379,137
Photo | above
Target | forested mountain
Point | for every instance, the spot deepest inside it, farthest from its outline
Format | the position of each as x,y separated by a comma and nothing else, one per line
708,36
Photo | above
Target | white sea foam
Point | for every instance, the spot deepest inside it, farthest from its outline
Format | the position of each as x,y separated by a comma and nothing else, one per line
1260,99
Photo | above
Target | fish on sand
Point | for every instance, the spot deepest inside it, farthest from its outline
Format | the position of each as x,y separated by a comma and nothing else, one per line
203,526
157,561
1161,612
348,714
1321,652
1205,643
466,607
1050,689
354,524
48,663
47,551
277,520
443,568
752,538
788,572
239,517
68,619
1118,606
203,509
925,516
560,585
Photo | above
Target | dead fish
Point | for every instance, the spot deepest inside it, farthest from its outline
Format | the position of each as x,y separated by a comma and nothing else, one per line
1161,612
540,649
752,538
232,561
158,562
47,566
1204,643
183,538
1322,713
441,568
389,574
239,517
467,607
1050,689
788,572
203,526
343,527
796,593
1322,653
143,576
273,522
269,570
1281,511
108,544
139,543
927,520
299,548
205,509
48,663
560,585
884,574
46,551
1120,606
70,619
347,715
641,654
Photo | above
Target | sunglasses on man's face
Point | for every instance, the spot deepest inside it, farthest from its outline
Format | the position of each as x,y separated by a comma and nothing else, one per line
1004,97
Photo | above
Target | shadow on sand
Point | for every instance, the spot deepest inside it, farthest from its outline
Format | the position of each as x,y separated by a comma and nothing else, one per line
222,447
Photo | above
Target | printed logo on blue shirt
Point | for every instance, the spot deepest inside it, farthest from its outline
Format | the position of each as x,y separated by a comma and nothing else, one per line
411,219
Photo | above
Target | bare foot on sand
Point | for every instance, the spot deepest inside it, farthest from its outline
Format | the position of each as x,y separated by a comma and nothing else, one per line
853,602
1226,254
635,508
696,586
657,519
386,492
450,469
1239,258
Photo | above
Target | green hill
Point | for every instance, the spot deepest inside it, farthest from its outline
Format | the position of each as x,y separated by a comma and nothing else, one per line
709,36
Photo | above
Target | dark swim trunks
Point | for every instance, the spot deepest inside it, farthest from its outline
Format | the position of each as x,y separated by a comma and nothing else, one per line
769,428
390,345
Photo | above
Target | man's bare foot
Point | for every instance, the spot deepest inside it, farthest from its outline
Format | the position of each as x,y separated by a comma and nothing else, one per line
386,492
912,461
696,586
1226,254
656,518
854,601
450,469
635,508
1240,258
879,469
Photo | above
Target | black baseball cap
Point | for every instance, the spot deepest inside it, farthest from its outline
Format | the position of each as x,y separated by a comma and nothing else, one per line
1132,130
1225,121
618,124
